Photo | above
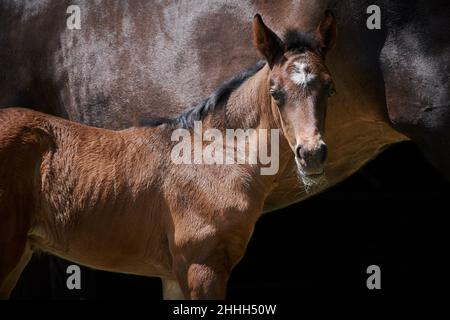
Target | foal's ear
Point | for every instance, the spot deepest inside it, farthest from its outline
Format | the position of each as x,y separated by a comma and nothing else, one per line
327,31
266,41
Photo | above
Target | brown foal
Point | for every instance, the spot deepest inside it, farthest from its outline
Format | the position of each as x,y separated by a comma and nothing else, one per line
115,200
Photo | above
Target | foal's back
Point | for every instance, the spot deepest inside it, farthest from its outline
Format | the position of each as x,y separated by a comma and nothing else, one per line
84,193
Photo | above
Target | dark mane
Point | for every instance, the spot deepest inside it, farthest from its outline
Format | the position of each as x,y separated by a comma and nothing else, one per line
295,40
198,112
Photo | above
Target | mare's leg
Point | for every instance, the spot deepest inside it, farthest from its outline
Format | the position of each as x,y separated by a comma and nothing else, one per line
171,290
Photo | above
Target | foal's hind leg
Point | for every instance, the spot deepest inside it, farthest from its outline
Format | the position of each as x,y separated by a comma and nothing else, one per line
11,270
15,251
171,290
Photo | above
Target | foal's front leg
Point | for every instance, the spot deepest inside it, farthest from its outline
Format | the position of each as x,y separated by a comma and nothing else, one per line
203,265
206,279
203,277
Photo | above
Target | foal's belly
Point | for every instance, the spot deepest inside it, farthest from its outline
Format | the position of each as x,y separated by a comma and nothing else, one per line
117,245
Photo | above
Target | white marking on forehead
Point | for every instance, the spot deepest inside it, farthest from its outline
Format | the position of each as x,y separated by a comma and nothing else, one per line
300,75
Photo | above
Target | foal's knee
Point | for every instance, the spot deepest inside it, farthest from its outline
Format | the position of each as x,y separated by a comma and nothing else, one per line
203,266
207,282
203,276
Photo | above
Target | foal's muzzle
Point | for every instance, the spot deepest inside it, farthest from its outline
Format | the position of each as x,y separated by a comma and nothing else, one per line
311,158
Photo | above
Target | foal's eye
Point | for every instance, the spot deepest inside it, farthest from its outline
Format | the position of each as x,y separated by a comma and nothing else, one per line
331,92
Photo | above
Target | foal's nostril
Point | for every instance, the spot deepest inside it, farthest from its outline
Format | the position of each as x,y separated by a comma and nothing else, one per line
323,152
298,152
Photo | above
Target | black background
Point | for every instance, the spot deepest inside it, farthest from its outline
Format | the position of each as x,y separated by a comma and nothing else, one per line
392,213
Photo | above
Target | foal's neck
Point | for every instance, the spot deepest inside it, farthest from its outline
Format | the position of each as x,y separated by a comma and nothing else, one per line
248,106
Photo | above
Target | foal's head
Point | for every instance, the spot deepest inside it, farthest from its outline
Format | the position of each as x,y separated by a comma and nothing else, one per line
300,85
